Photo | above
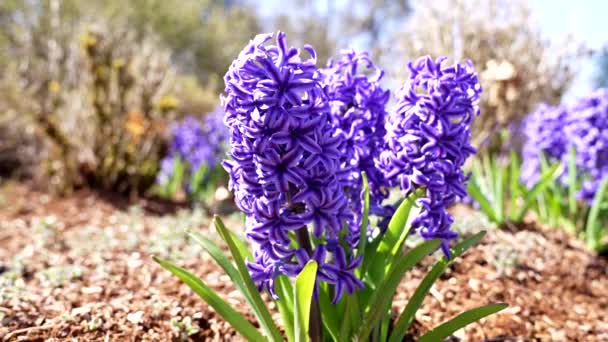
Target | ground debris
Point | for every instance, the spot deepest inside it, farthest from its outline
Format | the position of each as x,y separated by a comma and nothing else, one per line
81,268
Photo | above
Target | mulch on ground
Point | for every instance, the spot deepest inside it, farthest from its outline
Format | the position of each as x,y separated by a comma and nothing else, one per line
80,268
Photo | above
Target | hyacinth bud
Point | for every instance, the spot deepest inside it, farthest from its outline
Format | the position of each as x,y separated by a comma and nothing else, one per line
285,167
428,140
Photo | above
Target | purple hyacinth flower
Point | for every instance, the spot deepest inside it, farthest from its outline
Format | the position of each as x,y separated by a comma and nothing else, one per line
285,157
358,111
428,140
553,131
196,144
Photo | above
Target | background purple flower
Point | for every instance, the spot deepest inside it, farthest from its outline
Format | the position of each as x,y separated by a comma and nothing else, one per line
195,143
428,140
553,131
544,133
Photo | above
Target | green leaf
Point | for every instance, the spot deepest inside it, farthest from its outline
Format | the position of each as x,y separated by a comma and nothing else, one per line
241,245
392,240
448,328
572,183
236,320
484,203
499,191
351,317
488,183
514,187
258,305
383,296
177,178
345,327
478,173
546,178
332,316
285,304
365,217
305,284
222,260
397,225
594,228
407,316
197,180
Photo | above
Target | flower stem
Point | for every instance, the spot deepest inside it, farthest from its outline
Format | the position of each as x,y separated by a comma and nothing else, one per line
315,331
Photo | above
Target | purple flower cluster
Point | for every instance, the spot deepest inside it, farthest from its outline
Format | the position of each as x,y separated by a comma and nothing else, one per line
553,131
358,111
196,144
286,164
428,140
543,132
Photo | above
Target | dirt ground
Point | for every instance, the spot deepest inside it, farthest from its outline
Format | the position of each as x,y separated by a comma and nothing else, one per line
80,268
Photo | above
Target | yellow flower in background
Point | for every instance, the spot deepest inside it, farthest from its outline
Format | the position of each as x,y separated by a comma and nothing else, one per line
167,102
135,124
118,63
54,87
88,40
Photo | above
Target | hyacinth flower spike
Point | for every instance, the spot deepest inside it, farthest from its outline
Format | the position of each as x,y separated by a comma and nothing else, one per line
428,140
310,162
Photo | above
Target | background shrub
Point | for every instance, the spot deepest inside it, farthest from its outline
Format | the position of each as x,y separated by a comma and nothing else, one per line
519,68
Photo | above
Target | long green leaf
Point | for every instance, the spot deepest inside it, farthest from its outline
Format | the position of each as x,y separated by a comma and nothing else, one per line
546,178
241,245
197,180
365,217
594,228
346,325
351,318
236,320
285,304
220,258
572,183
499,191
383,296
514,183
305,284
448,328
407,316
332,315
484,203
393,239
488,182
259,306
396,226
552,194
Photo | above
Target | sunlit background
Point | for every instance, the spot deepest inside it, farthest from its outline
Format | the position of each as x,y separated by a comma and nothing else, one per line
143,64
112,138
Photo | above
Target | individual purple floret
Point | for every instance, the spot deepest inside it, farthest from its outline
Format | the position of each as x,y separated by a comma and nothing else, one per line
553,131
428,140
286,160
358,110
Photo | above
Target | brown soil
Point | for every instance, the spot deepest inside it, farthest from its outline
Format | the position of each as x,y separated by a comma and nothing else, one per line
80,268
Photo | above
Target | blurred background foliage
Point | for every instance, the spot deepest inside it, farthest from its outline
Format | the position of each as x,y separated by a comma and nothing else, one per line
88,89
518,67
